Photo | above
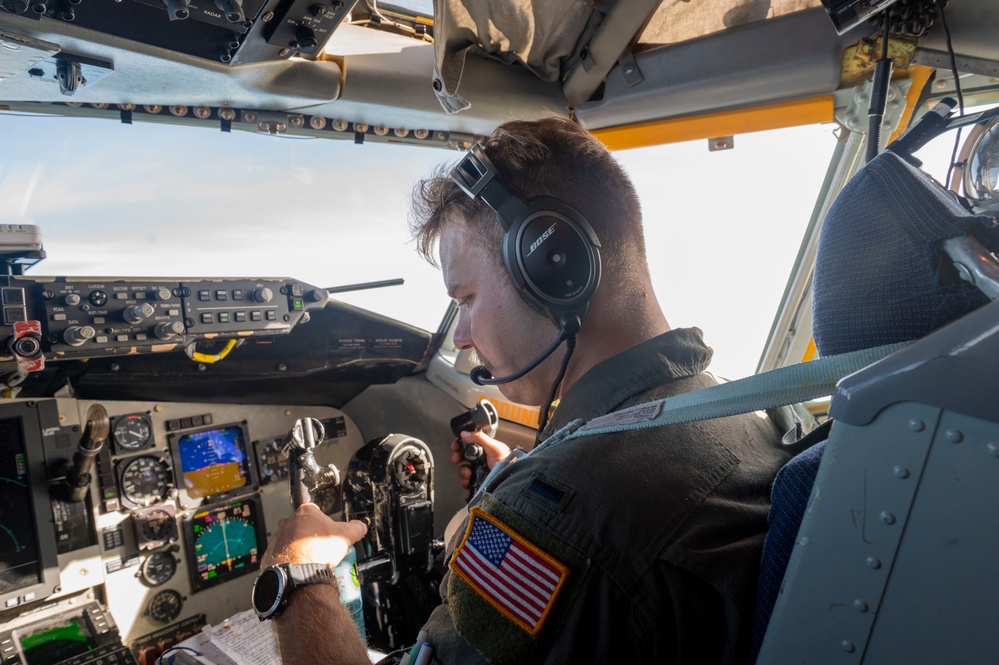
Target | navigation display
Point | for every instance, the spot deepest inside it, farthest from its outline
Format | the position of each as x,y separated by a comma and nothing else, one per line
224,542
213,461
20,565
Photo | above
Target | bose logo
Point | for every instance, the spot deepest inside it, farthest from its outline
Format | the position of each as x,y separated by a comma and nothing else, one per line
544,236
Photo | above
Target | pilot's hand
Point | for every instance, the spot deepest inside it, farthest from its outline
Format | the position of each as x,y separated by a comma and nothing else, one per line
310,536
494,450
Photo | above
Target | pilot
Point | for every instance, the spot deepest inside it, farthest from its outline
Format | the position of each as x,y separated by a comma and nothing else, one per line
639,545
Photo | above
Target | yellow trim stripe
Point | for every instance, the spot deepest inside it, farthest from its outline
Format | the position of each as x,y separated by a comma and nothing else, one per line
541,554
918,78
810,351
808,111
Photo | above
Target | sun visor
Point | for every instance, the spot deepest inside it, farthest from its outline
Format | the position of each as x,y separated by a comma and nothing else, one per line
539,36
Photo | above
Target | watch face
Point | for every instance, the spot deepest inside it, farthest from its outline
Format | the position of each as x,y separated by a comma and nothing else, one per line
267,592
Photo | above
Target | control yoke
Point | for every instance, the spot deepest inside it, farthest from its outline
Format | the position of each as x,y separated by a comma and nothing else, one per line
311,482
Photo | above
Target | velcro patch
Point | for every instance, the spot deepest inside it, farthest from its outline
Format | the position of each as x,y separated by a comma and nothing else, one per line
635,414
548,493
514,576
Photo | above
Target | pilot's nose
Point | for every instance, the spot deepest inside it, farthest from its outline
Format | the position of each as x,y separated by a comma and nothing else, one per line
463,332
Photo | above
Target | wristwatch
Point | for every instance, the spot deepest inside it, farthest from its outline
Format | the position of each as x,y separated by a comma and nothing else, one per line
274,585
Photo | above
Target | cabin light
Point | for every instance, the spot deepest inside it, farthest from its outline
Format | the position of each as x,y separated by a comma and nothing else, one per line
152,108
340,125
381,130
421,133
75,105
99,105
296,121
202,112
179,111
317,122
360,127
400,132
126,107
227,114
442,136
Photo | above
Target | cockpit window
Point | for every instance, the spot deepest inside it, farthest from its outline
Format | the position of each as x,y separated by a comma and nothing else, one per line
160,200
723,229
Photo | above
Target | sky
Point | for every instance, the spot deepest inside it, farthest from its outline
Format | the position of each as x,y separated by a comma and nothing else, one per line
722,228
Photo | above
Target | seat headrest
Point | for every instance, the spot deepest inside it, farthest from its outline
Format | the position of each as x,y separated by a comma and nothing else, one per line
880,275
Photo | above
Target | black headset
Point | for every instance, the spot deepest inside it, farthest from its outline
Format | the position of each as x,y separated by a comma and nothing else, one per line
550,251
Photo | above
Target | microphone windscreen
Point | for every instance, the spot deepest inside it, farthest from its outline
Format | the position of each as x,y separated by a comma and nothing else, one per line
479,374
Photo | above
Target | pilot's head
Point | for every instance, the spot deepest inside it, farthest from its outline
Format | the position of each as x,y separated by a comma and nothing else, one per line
554,158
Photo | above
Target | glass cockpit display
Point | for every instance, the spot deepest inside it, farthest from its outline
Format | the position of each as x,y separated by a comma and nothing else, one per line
224,542
19,559
213,461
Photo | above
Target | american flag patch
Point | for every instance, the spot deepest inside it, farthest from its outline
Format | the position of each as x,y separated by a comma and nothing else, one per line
510,573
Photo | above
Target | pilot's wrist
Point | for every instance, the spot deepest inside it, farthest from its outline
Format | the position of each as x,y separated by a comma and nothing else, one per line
294,554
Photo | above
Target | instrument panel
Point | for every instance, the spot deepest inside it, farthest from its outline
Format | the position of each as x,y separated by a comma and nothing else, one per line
182,500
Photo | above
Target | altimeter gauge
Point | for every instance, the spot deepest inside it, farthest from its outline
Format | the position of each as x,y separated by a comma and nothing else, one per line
144,480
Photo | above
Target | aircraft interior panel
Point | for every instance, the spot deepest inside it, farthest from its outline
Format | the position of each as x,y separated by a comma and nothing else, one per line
171,532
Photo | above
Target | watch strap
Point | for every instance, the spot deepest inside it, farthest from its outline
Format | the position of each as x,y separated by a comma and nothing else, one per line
300,574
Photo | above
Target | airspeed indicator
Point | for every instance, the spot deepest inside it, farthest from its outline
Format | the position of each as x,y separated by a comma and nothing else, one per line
132,432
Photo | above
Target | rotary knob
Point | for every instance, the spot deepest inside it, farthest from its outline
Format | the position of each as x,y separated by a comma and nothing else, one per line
263,294
306,38
77,335
72,299
168,329
138,313
163,294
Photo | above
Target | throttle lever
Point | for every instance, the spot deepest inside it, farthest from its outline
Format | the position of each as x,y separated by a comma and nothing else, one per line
310,481
482,418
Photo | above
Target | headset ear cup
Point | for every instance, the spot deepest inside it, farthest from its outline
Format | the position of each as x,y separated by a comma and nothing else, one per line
553,256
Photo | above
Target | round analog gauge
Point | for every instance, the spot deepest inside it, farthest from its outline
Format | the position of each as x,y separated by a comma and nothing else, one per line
158,568
132,432
157,526
273,460
145,481
165,606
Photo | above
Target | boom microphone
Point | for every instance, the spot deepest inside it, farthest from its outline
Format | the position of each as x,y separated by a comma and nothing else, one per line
482,377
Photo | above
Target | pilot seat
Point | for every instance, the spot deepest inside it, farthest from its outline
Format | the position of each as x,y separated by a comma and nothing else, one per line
882,538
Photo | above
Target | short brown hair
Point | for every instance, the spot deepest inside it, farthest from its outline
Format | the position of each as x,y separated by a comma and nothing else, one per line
548,157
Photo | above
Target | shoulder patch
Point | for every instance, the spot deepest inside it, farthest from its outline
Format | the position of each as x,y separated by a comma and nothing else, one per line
520,580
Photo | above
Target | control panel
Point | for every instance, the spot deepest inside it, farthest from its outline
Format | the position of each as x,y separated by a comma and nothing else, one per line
86,636
169,537
219,30
54,318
